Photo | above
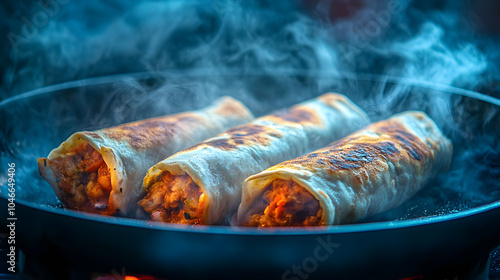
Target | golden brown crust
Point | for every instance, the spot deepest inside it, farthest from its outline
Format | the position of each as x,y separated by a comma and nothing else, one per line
298,114
221,164
92,134
358,151
244,135
130,149
255,134
147,134
367,172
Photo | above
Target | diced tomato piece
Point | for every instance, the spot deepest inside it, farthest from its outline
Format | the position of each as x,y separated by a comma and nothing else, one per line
95,166
103,177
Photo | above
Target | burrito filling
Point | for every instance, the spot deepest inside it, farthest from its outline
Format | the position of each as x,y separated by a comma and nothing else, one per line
84,179
284,203
175,199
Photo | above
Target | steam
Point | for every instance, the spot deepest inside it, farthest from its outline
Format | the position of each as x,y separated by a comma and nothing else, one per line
82,39
384,37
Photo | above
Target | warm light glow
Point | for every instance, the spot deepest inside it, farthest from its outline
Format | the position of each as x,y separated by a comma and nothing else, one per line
412,278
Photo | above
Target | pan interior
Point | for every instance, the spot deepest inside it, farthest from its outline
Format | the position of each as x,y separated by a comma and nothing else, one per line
38,121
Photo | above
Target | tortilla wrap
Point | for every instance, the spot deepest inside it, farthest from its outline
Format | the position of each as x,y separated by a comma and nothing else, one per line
370,171
202,184
101,171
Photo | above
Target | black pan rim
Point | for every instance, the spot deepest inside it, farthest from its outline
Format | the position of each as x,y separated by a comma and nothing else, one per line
236,230
202,72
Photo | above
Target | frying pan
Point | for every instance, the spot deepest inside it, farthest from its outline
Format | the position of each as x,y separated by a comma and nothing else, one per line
451,225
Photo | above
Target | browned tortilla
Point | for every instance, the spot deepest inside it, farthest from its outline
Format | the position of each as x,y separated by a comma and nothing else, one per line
202,184
372,170
101,171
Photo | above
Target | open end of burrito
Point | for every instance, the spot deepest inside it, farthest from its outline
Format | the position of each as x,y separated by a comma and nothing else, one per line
82,178
175,199
284,203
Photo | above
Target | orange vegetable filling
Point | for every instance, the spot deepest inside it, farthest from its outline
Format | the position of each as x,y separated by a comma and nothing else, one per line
284,203
175,199
84,178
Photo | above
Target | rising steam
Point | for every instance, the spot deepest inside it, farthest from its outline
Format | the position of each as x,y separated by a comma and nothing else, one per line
83,39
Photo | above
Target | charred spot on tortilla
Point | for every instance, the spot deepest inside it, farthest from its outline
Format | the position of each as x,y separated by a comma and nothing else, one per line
414,151
245,135
387,148
247,130
358,154
93,135
415,147
395,133
320,161
355,155
146,126
222,144
144,134
165,124
337,164
312,155
298,115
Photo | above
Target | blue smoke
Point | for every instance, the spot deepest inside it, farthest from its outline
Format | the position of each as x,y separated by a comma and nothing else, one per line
62,40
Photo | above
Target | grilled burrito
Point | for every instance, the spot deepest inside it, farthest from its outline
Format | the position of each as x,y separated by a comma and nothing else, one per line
370,171
101,171
202,184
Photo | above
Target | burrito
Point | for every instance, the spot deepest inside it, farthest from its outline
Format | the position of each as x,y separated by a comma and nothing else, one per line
101,171
202,184
370,171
